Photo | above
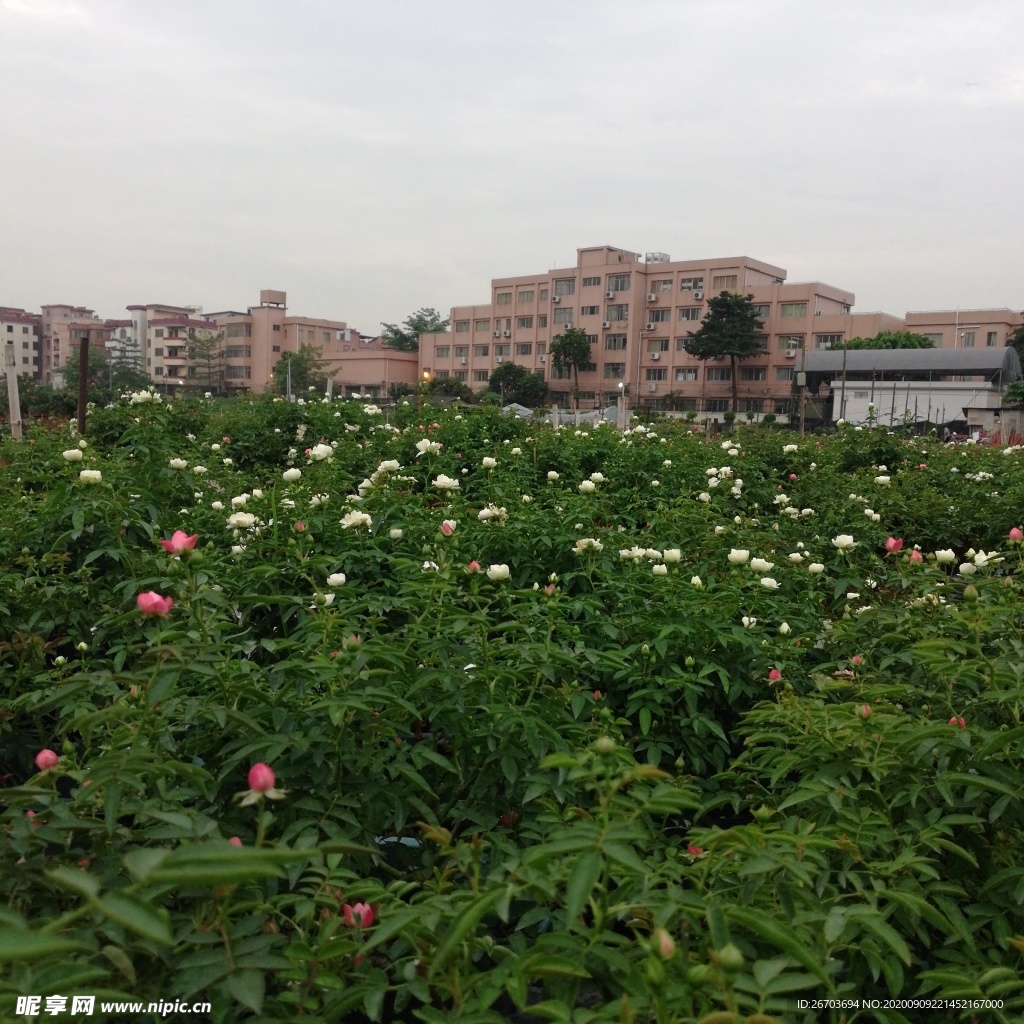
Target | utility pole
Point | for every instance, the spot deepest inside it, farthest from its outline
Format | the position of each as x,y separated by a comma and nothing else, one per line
13,398
83,379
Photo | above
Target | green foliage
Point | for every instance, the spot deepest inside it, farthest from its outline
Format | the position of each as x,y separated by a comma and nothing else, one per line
407,337
1014,394
206,356
730,329
108,378
514,383
308,371
571,350
890,339
450,388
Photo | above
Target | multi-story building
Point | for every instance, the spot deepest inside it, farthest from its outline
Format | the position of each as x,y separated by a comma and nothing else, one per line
637,313
965,328
63,327
22,330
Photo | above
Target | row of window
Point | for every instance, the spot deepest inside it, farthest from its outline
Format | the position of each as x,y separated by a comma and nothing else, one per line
482,351
616,283
24,329
618,342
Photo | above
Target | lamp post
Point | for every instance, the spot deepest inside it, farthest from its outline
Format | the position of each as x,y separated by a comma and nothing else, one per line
622,406
423,387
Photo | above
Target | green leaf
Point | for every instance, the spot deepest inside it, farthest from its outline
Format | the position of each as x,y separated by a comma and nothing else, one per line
19,944
78,881
248,988
138,916
870,920
581,883
545,965
460,928
120,960
782,938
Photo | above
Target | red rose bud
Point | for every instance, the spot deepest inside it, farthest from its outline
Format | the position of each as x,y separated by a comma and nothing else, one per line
261,778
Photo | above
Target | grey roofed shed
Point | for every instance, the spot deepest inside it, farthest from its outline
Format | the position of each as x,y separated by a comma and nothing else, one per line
1001,363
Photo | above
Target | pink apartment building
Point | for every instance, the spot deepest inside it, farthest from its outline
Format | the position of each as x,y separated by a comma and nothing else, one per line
62,328
637,312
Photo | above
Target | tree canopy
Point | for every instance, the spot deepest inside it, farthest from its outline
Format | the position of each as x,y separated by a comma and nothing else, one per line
206,354
731,328
571,350
108,377
514,383
1016,340
407,337
308,371
891,339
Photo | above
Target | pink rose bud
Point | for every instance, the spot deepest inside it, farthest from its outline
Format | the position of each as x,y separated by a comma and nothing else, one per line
774,676
957,722
597,695
893,544
863,711
46,759
549,589
300,526
1016,535
358,916
792,476
856,659
924,465
151,603
235,841
916,556
447,529
473,566
261,778
694,851
664,943
180,541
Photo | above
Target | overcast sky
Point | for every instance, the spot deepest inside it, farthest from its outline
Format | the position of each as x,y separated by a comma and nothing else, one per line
373,158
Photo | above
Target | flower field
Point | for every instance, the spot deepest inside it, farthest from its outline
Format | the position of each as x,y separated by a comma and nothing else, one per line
320,713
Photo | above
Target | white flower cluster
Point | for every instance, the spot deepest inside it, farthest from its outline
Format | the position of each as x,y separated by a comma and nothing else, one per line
585,544
492,514
144,397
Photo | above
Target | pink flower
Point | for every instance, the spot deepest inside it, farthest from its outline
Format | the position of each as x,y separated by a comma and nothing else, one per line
894,544
235,841
792,476
358,916
180,541
151,603
1016,535
695,851
856,659
958,722
924,465
916,556
473,566
261,778
46,759
863,711
597,695
549,589
664,943
447,527
774,676
300,526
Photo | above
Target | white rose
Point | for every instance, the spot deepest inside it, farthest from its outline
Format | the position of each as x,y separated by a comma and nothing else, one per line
844,542
738,556
760,565
336,579
396,534
498,572
767,581
659,569
672,555
815,567
291,475
73,455
178,464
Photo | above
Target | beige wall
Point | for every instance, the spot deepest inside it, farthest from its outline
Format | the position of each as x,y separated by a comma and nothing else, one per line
24,331
965,328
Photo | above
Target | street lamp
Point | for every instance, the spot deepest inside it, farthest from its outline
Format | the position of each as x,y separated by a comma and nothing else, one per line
423,386
621,402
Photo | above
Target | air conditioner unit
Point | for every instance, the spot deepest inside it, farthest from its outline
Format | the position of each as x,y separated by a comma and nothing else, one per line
462,359
499,359
698,295
655,356
649,327
817,312
652,386
497,334
652,297
542,359
508,334
556,298
609,295
605,324
791,353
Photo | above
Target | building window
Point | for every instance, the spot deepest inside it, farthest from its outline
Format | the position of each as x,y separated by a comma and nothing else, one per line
762,341
158,333
524,323
618,282
783,406
277,348
753,373
791,341
524,348
525,295
935,339
716,404
590,310
24,345
825,341
481,325
563,316
784,373
158,371
968,337
689,313
238,372
681,344
685,373
542,320
461,351
481,351
442,374
461,375
158,352
990,338
462,327
542,295
238,352
723,281
659,316
236,331
503,299
763,310
751,405
718,373
277,327
792,309
591,282
617,312
656,373
561,372
615,342
661,287
565,285
614,371
541,347
657,345
441,352
686,404
479,376
502,350
691,284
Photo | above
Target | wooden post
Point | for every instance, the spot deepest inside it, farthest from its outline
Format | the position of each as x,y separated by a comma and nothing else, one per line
13,398
83,380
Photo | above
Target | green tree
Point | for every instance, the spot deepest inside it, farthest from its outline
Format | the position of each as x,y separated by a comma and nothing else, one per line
1016,340
571,350
514,383
730,329
107,378
1014,394
451,388
407,337
891,339
309,370
206,355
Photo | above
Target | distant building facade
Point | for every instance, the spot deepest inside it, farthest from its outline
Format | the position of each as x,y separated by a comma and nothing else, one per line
22,330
